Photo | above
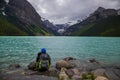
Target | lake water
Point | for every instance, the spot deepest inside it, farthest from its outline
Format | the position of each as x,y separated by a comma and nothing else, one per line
23,50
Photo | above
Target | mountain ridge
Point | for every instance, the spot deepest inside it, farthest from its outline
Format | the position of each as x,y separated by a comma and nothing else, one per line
89,25
21,14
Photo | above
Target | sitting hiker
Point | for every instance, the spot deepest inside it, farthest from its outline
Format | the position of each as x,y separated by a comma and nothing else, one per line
43,61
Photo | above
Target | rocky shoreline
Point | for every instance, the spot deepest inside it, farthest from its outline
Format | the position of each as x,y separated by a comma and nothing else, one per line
66,69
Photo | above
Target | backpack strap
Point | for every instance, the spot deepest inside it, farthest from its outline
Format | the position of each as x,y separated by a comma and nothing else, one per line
38,64
48,64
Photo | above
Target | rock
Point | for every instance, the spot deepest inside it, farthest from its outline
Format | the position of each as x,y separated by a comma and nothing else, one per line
53,72
99,72
23,77
73,72
117,72
32,66
111,75
76,77
92,66
29,72
93,61
101,78
14,66
72,64
63,63
76,71
70,72
69,58
63,75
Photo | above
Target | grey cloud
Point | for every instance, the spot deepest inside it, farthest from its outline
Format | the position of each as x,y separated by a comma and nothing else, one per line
61,11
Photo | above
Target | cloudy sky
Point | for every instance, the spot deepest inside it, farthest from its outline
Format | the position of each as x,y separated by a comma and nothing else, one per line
63,11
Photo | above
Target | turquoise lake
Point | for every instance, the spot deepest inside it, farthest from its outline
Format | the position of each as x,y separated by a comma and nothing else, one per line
23,50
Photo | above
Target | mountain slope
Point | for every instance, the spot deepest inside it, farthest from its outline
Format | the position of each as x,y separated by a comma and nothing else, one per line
103,22
50,26
105,27
23,16
7,28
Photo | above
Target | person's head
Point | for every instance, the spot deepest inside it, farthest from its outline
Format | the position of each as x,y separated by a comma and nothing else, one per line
43,50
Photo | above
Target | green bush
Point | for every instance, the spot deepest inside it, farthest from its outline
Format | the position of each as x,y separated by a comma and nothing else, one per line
88,77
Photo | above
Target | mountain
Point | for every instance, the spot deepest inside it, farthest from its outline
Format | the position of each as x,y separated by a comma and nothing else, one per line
102,22
61,28
118,11
50,26
2,4
18,17
57,29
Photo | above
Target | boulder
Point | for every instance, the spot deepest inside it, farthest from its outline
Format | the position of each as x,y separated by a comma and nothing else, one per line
76,77
32,66
117,72
69,58
99,72
63,63
111,74
93,61
53,72
92,66
76,71
70,72
14,66
101,78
